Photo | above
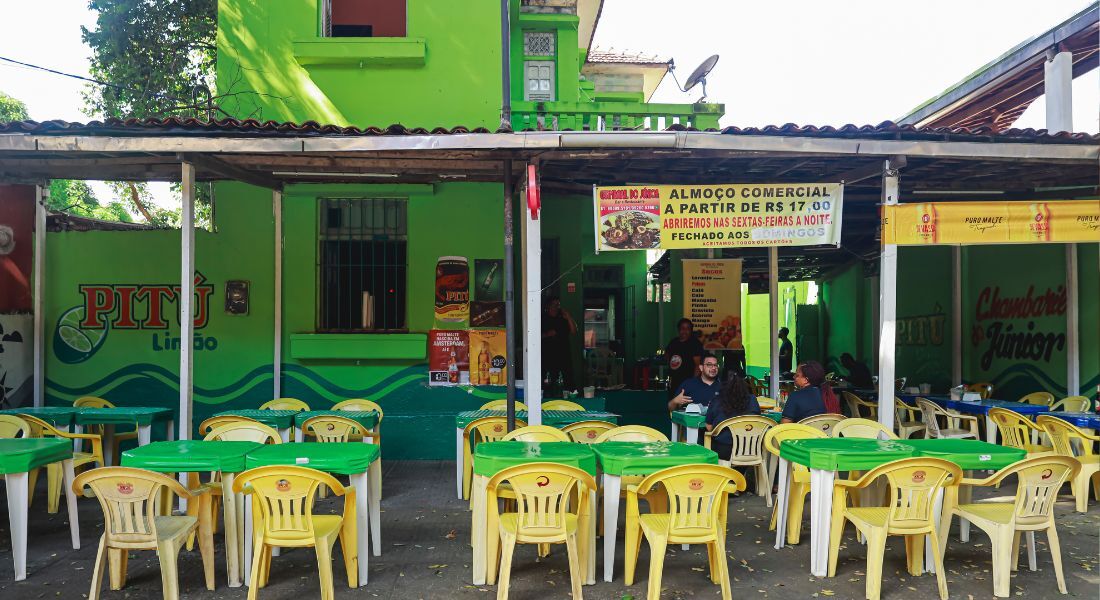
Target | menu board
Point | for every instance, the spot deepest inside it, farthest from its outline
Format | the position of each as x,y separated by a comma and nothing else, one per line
712,300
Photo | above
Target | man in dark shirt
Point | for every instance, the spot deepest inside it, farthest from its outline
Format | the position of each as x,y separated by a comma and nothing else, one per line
684,354
858,373
786,351
701,390
557,359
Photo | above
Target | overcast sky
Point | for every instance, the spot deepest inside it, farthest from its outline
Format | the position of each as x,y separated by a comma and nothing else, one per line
805,62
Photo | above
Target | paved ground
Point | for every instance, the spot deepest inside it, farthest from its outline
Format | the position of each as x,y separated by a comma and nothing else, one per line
425,533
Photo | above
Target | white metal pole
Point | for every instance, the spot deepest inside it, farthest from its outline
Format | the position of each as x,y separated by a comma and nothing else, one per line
1058,87
773,315
187,297
888,307
956,316
1073,324
277,348
532,315
41,193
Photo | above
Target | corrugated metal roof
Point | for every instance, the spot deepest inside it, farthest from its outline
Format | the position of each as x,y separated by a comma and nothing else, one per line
251,127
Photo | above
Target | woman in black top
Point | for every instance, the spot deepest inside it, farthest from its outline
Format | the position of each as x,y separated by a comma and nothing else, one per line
737,399
814,395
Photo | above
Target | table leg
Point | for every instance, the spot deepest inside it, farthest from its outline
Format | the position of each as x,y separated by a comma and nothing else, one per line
375,483
77,444
675,432
964,498
458,461
782,504
109,445
246,555
299,437
1031,550
232,534
590,578
478,533
990,430
170,430
937,515
611,488
361,482
692,435
68,474
18,493
284,434
821,518
145,434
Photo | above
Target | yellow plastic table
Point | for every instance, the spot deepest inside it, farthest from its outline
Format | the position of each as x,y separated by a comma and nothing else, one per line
201,456
18,457
360,462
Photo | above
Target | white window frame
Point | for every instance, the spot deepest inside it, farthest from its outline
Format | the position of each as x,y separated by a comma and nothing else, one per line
540,95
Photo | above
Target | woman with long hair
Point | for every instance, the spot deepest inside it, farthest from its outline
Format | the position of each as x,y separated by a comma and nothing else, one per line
737,399
814,395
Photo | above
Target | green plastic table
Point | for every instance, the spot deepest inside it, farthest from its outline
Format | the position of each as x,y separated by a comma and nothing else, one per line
367,418
636,458
60,417
968,454
17,458
492,457
282,420
360,462
843,454
199,456
774,415
691,423
142,417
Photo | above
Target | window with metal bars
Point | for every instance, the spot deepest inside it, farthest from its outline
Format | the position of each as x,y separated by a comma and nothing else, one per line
362,264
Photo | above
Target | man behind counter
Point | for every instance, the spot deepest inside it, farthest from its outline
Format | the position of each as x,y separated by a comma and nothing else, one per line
683,353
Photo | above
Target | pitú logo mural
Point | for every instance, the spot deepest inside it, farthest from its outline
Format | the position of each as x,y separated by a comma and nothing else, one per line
82,330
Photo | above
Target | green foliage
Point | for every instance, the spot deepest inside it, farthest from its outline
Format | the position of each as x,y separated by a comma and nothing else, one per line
12,109
75,197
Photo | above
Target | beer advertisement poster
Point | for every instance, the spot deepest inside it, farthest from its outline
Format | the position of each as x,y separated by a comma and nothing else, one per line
639,217
1055,221
488,280
712,300
486,314
448,357
452,292
488,362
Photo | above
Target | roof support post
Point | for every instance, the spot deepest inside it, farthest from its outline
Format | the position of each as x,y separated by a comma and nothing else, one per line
277,348
41,193
1073,324
509,297
532,309
187,297
1058,87
956,316
773,315
888,306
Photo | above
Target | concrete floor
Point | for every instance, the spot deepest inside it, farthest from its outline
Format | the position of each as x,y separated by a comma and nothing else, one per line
425,534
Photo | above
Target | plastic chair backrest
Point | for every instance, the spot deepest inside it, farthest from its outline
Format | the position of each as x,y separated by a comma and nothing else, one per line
696,496
1072,404
903,411
1038,481
914,484
790,431
863,428
537,433
985,389
213,423
824,422
632,433
561,405
853,403
542,497
12,426
501,405
1040,398
1062,434
489,429
586,432
129,499
242,431
92,402
1014,428
331,428
359,404
747,433
284,496
284,404
929,411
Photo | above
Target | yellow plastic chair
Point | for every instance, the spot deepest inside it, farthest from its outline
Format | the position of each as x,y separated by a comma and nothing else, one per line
54,472
96,402
1072,404
285,404
800,475
243,431
860,408
1017,431
487,429
747,432
824,422
931,412
282,504
12,426
537,433
1069,440
1040,398
332,429
863,428
632,433
561,405
131,521
502,405
213,423
362,404
1038,482
908,419
543,492
698,497
586,432
984,388
914,484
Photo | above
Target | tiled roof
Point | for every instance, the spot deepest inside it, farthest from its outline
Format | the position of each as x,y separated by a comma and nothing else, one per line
612,56
253,128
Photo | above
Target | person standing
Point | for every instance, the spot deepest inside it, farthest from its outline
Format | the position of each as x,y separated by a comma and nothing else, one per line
703,390
558,327
814,396
786,351
684,355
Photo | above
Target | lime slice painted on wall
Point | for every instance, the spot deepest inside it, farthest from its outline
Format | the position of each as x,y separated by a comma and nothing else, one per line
73,343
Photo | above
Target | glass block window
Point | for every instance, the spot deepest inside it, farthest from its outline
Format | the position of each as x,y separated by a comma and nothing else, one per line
538,43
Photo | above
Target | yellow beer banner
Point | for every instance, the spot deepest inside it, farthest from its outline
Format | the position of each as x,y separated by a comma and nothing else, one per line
712,300
1059,221
640,217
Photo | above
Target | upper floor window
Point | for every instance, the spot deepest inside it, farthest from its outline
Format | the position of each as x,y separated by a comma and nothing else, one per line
363,18
538,43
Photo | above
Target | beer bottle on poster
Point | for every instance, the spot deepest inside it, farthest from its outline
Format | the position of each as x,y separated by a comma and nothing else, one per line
929,224
483,361
452,369
1040,222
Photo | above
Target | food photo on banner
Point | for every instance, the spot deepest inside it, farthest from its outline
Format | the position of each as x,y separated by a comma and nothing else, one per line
448,357
642,217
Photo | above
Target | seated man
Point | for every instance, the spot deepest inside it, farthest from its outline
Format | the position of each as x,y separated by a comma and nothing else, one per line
703,389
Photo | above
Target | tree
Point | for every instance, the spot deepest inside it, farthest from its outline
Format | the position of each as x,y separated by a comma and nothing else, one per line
75,197
12,109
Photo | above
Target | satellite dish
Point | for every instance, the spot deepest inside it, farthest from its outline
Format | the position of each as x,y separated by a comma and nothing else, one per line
699,75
